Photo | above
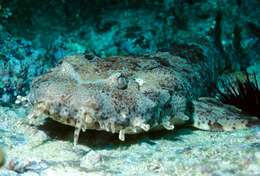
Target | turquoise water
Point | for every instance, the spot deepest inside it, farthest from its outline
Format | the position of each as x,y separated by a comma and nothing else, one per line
221,37
36,36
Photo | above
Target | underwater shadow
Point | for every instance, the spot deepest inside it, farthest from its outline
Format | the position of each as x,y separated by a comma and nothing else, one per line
101,139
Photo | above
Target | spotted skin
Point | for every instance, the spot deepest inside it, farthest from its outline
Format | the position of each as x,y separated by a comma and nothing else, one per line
129,95
210,114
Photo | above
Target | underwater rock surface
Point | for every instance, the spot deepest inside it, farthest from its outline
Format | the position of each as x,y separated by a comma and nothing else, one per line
36,36
227,31
48,151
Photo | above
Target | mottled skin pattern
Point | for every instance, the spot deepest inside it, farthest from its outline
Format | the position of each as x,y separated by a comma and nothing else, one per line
129,95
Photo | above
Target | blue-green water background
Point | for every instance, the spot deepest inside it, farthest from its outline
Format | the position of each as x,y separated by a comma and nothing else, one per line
36,35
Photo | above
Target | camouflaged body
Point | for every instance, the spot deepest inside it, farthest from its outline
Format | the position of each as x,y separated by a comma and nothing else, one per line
131,94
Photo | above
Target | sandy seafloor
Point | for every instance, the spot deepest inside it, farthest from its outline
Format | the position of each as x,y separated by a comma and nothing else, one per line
48,150
232,28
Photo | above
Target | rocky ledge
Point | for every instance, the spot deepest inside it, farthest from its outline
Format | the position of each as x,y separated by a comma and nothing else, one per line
48,150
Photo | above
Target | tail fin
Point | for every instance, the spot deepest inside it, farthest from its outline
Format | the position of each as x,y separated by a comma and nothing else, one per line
210,114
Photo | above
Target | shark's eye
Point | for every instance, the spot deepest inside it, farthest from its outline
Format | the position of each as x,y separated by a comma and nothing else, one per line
64,112
122,82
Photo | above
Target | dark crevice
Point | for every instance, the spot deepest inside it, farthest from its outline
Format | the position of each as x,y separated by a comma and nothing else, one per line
218,32
218,44
238,48
254,29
